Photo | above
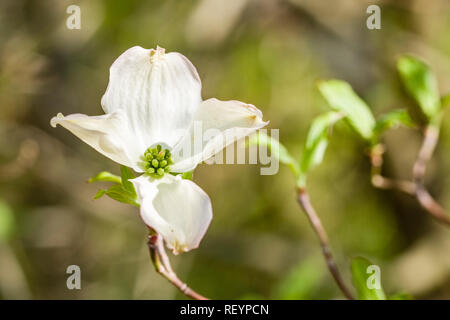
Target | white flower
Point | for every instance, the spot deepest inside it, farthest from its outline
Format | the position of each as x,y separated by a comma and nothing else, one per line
152,102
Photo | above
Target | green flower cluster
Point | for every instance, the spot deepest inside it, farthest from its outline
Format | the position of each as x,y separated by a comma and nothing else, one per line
157,161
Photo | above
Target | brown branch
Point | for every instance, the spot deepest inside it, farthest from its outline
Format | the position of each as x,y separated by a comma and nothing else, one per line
415,188
431,206
163,267
379,181
305,203
430,139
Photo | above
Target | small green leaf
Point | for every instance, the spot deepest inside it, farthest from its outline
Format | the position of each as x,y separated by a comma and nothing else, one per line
188,175
7,222
362,279
119,193
277,149
421,84
122,191
316,143
127,174
341,97
100,193
105,176
393,119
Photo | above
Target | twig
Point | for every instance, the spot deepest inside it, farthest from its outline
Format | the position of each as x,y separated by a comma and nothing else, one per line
431,206
379,181
305,203
430,139
163,267
415,188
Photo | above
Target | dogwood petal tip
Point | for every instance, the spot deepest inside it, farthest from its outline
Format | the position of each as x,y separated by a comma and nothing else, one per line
55,120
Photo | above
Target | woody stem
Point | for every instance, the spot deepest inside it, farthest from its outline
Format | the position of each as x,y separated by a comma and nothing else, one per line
430,139
305,203
163,267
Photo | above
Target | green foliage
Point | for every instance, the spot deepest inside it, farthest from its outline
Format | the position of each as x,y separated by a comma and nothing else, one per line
118,193
393,119
188,175
7,222
421,84
316,143
276,148
100,193
105,176
360,275
341,97
122,190
127,174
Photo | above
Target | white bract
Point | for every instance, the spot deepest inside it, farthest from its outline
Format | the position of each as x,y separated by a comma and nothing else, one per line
152,102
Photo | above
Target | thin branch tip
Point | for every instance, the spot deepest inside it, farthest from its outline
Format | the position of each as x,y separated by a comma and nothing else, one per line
416,187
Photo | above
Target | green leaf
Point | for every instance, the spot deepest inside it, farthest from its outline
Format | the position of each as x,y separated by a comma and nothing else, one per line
362,278
341,97
277,149
421,84
127,174
188,175
100,193
316,143
122,191
105,176
7,222
393,119
119,193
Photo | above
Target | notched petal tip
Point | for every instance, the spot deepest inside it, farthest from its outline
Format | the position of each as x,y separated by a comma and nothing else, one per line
178,248
56,120
157,54
255,116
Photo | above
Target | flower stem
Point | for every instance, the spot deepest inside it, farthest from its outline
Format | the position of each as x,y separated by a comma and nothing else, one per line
163,267
305,203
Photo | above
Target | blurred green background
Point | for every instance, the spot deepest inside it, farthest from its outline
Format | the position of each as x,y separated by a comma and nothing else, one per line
265,52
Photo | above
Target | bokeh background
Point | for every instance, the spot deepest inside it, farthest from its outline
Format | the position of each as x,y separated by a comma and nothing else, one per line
266,52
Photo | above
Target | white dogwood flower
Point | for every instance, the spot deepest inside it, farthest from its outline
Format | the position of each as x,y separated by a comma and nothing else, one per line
151,104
